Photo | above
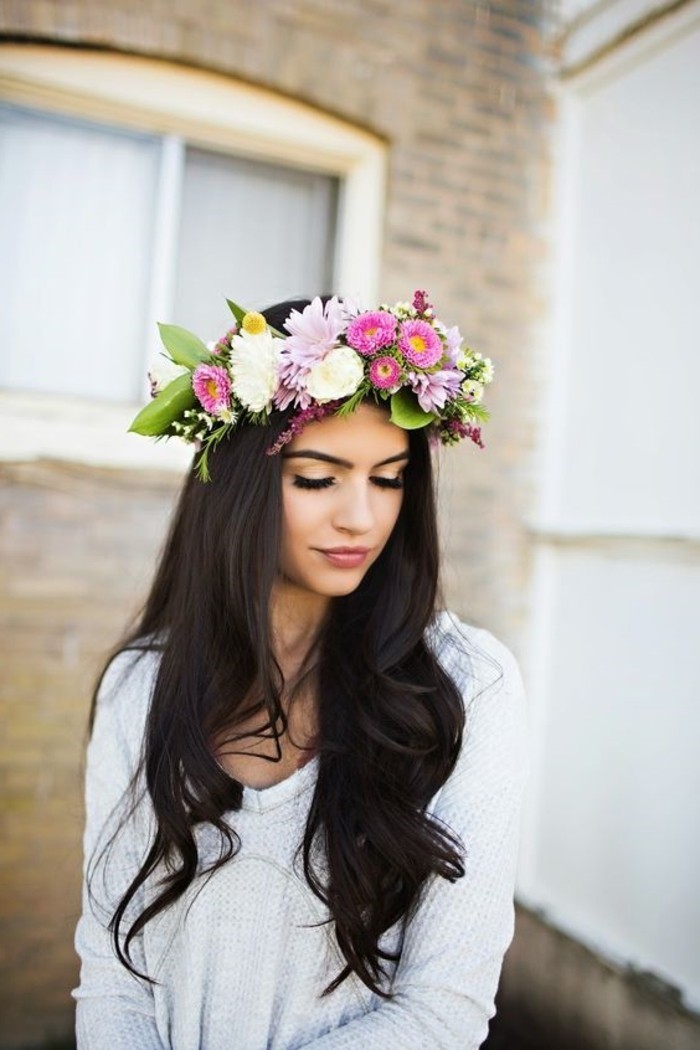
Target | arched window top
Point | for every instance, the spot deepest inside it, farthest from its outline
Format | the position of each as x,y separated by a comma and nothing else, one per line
286,158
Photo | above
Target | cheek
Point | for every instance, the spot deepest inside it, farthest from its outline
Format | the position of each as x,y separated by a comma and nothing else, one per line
299,518
390,511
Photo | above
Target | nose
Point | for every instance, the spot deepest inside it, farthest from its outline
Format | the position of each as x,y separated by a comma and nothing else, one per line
354,512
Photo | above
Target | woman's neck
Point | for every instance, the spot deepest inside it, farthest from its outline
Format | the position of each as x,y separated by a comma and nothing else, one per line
244,752
296,618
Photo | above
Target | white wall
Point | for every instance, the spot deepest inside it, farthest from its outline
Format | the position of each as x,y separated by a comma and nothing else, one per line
612,843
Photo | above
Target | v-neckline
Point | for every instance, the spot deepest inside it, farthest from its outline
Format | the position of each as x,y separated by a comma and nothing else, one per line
261,799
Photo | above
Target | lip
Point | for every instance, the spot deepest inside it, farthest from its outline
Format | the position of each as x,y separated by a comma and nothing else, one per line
345,557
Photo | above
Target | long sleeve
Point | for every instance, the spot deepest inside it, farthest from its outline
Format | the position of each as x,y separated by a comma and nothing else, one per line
445,984
114,1008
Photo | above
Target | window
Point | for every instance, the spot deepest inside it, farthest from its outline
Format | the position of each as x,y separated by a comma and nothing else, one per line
83,207
133,191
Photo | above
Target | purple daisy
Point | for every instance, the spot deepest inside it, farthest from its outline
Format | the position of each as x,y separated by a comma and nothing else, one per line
212,385
384,372
453,341
420,343
313,332
371,331
435,389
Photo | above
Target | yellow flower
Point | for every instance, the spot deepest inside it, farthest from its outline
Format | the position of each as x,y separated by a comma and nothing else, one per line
254,324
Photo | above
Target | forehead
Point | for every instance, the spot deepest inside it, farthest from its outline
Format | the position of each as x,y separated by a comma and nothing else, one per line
365,434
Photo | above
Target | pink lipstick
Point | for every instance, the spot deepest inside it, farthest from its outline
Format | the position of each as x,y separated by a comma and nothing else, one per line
346,557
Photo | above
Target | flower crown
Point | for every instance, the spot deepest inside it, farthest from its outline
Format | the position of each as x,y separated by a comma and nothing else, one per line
333,357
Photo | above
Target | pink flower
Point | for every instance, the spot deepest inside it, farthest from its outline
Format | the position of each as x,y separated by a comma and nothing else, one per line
420,302
384,372
434,389
314,332
292,388
298,421
420,343
223,345
371,331
454,429
453,339
212,385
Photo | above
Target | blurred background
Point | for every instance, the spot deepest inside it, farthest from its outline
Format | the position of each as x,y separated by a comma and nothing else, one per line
536,168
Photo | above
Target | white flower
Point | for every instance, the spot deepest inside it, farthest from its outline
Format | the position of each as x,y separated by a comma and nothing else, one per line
487,370
338,375
349,308
254,368
162,372
473,391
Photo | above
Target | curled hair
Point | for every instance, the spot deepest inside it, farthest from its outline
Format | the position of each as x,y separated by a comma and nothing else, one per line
390,718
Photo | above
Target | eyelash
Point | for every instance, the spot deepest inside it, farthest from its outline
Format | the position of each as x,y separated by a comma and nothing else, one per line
324,483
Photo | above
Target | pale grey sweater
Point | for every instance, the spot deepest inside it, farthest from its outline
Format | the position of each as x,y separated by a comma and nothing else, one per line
240,962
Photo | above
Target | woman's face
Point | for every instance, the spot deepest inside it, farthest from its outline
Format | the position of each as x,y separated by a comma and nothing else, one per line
342,490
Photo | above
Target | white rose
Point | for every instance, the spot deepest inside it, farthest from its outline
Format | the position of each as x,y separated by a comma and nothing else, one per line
162,372
473,390
338,375
254,368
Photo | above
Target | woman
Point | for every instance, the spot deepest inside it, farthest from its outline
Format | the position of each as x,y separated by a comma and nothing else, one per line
303,780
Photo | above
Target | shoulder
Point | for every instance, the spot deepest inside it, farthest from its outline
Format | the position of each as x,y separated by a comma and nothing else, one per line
129,677
124,697
473,657
488,676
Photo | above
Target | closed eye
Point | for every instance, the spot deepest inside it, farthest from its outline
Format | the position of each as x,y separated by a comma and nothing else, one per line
312,483
323,483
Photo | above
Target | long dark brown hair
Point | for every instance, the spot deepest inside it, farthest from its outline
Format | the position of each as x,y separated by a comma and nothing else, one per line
390,717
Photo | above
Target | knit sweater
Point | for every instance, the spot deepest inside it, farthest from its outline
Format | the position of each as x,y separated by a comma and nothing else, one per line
241,960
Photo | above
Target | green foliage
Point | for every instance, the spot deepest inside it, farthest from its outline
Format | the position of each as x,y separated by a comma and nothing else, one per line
167,407
184,347
237,311
476,413
407,413
210,442
352,402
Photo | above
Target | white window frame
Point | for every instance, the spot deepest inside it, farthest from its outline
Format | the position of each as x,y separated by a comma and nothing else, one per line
210,111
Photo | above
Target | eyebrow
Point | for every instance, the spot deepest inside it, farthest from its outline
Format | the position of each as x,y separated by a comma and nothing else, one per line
325,458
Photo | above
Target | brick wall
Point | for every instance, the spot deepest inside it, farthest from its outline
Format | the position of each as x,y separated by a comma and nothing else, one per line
77,546
460,91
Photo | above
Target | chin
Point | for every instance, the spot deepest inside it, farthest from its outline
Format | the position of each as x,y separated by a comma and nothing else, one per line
330,588
337,590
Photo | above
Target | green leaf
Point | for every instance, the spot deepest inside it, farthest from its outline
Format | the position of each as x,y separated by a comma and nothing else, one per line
165,408
477,413
237,311
407,413
210,442
184,348
354,400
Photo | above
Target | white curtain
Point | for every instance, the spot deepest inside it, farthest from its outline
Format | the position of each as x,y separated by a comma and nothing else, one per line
251,232
76,208
83,218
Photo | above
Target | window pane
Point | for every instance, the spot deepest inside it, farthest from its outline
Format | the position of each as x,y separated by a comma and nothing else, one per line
252,232
632,421
76,211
